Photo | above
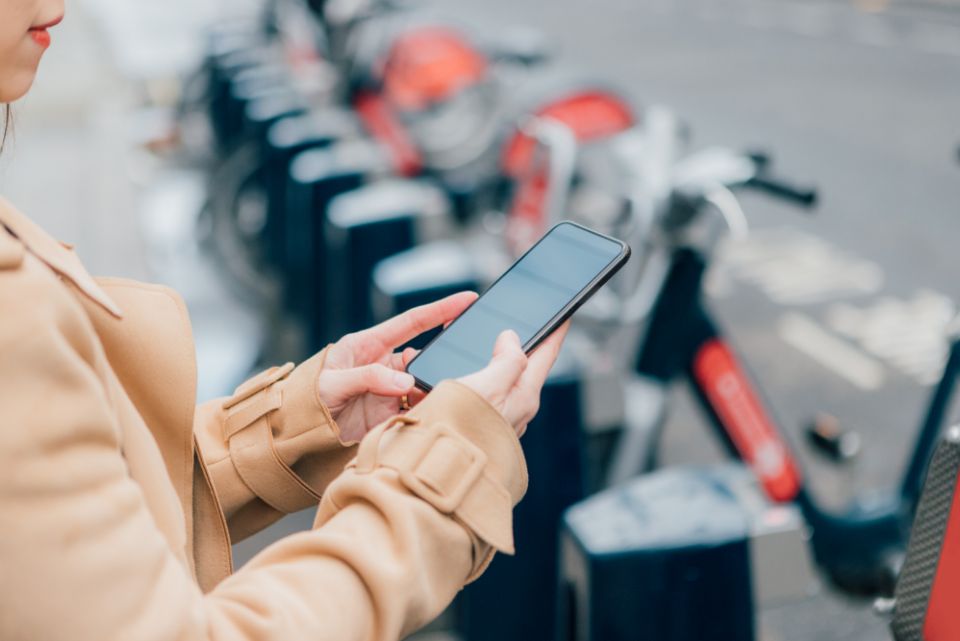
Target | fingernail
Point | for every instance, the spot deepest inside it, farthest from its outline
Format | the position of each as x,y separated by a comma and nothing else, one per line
403,380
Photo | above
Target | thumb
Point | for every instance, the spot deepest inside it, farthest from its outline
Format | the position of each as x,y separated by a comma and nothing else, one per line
507,345
507,364
374,378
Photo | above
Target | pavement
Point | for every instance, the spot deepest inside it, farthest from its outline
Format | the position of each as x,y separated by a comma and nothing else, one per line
861,99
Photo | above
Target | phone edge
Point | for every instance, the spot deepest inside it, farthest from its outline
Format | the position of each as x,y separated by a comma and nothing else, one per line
599,281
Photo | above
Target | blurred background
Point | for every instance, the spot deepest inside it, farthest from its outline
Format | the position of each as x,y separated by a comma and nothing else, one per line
786,172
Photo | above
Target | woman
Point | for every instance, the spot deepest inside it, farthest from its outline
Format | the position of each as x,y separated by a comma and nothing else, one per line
119,498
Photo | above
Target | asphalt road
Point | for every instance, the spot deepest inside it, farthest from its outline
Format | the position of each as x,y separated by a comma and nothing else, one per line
862,104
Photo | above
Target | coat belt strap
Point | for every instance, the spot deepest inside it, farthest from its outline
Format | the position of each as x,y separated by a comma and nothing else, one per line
446,470
258,463
252,447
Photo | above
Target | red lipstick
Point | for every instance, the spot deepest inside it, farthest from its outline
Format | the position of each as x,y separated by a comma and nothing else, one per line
41,37
40,34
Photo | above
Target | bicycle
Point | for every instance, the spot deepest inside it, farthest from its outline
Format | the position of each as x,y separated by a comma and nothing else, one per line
679,339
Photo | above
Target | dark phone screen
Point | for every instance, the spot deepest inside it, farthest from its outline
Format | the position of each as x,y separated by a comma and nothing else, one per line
538,286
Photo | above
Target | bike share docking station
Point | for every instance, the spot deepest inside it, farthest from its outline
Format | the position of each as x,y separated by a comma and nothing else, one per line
682,554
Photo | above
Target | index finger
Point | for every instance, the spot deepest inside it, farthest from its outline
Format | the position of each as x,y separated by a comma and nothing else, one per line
398,330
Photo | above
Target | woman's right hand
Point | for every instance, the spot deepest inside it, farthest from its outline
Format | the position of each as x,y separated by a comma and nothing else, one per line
512,381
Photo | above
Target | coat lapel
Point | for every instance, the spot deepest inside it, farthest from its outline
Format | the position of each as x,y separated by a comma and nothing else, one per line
59,257
149,346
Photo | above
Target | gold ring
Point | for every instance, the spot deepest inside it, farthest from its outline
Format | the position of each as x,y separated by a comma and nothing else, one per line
404,403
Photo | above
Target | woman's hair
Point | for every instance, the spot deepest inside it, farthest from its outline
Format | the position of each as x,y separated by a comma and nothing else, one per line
7,119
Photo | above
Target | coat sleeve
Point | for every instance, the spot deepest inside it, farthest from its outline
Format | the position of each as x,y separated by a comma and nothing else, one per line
271,448
420,511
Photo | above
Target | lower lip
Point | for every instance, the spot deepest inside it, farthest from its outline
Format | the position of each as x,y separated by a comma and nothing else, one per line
41,37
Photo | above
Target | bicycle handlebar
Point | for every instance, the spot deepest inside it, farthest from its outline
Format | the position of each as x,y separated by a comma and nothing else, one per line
805,197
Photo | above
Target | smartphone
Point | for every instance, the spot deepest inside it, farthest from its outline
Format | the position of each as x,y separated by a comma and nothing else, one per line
534,297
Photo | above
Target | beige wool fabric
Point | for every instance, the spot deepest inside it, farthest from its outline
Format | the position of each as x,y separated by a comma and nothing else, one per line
119,497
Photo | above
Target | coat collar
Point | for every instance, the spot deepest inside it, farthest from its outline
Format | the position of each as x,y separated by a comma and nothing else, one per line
58,256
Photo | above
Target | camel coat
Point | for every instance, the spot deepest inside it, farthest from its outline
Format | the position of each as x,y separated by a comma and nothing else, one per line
119,497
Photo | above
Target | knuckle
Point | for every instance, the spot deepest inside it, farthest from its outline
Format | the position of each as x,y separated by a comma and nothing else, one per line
370,374
420,311
517,357
418,318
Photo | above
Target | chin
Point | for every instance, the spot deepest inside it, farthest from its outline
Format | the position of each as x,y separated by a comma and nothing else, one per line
16,85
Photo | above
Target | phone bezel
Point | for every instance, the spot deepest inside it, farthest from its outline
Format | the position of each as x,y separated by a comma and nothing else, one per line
565,312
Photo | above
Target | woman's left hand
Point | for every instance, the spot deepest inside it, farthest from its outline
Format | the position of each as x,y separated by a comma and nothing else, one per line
363,378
